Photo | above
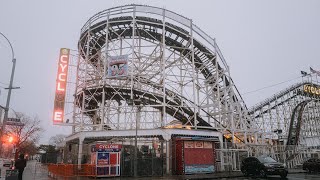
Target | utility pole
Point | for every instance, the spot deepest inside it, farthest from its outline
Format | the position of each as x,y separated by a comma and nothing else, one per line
6,109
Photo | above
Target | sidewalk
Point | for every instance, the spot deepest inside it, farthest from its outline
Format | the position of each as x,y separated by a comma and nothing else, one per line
35,171
218,175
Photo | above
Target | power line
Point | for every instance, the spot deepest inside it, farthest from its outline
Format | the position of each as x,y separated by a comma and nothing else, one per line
2,44
3,83
249,92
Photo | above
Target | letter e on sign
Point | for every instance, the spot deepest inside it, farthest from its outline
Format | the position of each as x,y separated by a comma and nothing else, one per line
57,116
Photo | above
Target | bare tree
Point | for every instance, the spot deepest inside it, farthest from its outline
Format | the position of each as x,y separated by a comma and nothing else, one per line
57,139
26,135
29,147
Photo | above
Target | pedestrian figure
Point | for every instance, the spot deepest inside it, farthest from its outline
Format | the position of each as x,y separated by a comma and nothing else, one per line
20,164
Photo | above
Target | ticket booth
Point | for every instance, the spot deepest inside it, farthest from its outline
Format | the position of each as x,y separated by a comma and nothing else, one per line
106,158
192,156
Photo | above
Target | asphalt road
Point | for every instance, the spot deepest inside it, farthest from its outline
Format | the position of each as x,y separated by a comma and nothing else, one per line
298,176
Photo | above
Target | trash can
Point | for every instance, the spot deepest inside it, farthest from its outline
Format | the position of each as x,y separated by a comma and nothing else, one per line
12,174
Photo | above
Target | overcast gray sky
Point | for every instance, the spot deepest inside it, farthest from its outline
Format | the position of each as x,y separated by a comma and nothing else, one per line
263,42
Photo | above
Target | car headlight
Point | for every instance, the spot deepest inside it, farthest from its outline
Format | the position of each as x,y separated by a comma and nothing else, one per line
284,165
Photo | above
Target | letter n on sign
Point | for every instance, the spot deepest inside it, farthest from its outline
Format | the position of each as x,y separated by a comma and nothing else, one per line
61,84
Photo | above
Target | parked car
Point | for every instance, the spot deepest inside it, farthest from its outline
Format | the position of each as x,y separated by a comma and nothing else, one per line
312,164
263,166
5,164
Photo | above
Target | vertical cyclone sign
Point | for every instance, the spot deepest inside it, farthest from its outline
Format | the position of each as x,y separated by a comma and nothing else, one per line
61,84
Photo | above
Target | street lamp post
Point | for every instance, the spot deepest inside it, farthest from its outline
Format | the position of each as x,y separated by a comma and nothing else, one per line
6,110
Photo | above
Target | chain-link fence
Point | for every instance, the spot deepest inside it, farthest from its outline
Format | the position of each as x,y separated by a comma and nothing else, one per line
49,158
147,155
149,159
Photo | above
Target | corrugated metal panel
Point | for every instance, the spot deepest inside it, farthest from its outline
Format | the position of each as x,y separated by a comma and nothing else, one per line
179,157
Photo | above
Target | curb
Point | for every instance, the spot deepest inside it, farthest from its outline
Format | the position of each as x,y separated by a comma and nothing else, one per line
214,177
299,172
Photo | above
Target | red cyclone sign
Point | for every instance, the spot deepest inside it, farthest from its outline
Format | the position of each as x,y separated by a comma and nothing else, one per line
108,146
61,84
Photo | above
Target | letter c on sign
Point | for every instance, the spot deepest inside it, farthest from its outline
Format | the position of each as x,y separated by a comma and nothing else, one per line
62,58
62,78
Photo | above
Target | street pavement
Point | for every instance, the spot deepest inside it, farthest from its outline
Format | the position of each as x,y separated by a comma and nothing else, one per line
37,171
298,176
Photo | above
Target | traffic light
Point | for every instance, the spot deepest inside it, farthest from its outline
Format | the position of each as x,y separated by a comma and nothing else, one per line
10,139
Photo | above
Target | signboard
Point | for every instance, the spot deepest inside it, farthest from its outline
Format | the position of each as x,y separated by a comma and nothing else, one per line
188,144
61,84
198,144
14,122
10,123
207,144
199,168
107,147
311,89
14,119
103,159
118,66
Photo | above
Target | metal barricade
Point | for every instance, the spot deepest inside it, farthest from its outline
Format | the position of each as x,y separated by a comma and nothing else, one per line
71,170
